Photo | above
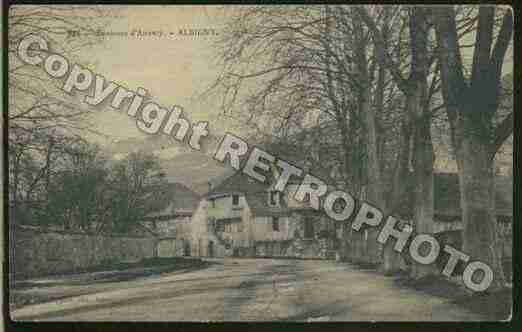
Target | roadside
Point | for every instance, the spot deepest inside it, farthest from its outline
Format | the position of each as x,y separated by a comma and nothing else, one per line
27,291
493,306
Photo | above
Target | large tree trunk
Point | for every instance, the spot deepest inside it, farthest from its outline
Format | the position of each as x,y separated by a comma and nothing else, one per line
347,134
415,90
375,188
477,200
470,109
423,155
423,215
13,207
401,171
398,193
389,257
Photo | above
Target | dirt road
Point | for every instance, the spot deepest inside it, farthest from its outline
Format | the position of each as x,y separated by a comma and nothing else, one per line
246,289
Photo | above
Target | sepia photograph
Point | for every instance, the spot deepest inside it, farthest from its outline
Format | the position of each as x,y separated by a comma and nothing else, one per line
258,163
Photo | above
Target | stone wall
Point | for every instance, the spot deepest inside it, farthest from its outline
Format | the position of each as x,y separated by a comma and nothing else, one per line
39,253
173,247
295,248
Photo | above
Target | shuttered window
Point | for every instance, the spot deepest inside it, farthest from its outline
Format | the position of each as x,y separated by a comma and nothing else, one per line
275,224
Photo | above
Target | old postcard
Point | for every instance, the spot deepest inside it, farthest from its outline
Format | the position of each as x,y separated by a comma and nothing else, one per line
298,163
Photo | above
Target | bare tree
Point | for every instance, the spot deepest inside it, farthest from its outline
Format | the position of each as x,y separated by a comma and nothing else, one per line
471,105
41,117
284,64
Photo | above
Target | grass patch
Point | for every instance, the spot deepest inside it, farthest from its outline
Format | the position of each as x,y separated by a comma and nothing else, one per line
365,265
495,306
144,263
117,271
21,295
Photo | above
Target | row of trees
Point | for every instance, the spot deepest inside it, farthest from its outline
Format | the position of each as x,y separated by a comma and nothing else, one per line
381,78
55,176
75,187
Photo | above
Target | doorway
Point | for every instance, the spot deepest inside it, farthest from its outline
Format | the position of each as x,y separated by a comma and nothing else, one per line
186,248
210,249
308,228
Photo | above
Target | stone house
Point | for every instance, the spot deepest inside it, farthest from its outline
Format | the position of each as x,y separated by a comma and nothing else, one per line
172,224
318,149
243,217
448,225
447,211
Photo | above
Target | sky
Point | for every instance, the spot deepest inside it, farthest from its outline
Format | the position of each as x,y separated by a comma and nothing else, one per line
174,71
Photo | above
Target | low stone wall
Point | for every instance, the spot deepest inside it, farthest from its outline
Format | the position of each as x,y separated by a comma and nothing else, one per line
171,247
298,248
38,253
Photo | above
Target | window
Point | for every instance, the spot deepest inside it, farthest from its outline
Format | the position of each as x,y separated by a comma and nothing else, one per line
240,227
308,229
273,198
235,199
275,224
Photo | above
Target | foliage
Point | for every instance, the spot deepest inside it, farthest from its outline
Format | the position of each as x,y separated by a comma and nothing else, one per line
87,193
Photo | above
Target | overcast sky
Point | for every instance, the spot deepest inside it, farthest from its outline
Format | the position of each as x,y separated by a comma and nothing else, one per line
173,70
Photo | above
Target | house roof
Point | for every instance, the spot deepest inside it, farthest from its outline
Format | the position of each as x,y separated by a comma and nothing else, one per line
255,193
181,200
446,195
237,183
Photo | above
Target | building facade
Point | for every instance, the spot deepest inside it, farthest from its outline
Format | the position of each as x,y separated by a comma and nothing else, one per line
242,217
172,224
